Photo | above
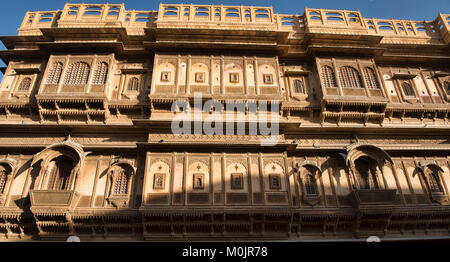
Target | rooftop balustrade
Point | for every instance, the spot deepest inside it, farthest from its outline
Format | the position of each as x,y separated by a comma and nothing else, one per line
233,17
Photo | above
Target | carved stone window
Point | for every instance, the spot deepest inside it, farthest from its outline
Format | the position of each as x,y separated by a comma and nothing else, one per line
77,74
234,77
120,181
366,173
371,78
54,73
133,84
59,173
310,184
275,181
200,77
24,84
350,77
159,180
237,181
328,77
268,79
408,90
433,180
299,88
3,178
198,181
447,87
165,76
100,74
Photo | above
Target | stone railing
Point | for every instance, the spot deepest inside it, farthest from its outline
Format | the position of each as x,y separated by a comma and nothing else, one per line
233,17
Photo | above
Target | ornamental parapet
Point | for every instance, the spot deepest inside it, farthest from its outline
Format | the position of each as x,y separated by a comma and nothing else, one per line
240,18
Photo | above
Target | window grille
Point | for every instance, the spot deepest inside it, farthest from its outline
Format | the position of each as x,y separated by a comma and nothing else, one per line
311,185
298,87
198,181
78,74
237,181
100,74
158,182
121,182
25,84
371,78
275,181
328,77
408,89
54,74
350,77
433,181
133,84
3,179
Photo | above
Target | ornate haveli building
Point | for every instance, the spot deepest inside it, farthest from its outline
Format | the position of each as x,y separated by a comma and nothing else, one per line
87,148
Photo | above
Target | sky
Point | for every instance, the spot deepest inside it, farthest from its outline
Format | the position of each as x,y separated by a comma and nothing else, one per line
13,12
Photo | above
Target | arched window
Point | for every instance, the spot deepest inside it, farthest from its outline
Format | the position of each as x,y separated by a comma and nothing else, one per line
365,169
311,185
78,74
100,74
25,84
350,77
447,87
433,181
298,87
133,84
408,90
328,77
121,180
60,171
54,73
371,78
4,172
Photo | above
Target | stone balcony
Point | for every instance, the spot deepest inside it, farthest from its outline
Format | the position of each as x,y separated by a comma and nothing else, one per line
53,199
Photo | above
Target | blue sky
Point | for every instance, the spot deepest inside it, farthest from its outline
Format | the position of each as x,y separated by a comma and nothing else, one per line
12,13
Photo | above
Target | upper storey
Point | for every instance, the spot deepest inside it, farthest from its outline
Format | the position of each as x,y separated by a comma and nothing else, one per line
238,19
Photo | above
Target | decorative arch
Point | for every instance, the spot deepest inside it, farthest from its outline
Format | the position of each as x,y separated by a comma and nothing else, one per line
309,174
366,163
120,181
49,157
432,176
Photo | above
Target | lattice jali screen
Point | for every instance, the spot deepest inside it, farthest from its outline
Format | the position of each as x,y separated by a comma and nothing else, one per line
54,74
328,78
121,183
25,84
100,74
371,78
350,77
77,74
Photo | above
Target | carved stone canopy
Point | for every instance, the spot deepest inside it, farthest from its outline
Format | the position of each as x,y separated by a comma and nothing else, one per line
68,147
356,150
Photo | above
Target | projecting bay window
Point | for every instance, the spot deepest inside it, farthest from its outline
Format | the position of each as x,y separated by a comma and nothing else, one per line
60,173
